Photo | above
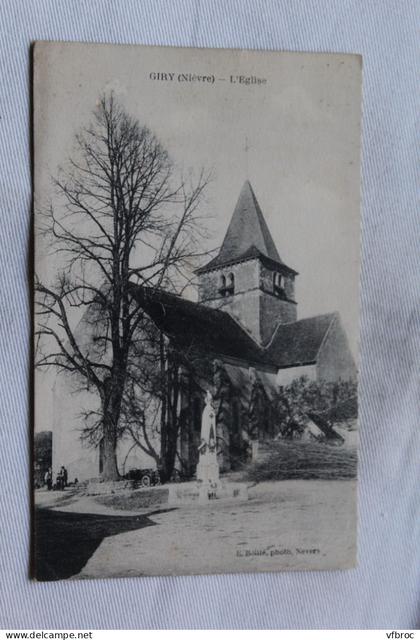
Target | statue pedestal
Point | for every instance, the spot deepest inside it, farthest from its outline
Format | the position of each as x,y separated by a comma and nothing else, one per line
208,481
208,468
204,493
208,489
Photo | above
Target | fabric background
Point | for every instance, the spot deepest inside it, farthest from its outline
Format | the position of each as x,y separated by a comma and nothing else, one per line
383,591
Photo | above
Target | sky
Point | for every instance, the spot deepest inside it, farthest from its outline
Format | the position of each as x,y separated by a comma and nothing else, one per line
300,125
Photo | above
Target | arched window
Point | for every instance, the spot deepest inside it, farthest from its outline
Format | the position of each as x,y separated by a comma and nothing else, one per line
278,283
231,284
222,286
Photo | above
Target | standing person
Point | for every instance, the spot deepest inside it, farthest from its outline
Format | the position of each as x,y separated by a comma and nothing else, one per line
48,479
65,476
59,480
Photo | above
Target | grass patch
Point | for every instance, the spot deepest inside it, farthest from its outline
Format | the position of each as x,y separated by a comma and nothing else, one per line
140,499
304,461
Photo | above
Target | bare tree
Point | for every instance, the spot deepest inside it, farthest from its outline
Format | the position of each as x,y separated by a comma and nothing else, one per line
156,405
120,215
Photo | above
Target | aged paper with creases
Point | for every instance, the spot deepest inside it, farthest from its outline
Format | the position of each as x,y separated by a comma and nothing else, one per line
196,310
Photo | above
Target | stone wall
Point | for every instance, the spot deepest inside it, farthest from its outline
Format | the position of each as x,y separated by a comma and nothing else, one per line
273,311
244,304
267,281
80,459
246,274
254,303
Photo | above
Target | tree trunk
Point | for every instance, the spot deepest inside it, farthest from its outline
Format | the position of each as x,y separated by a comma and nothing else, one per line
111,404
163,406
109,464
171,427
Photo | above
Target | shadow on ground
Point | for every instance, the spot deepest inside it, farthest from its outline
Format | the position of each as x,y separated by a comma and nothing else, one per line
64,541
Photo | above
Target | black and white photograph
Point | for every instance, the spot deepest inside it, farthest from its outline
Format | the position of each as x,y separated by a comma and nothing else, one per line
196,310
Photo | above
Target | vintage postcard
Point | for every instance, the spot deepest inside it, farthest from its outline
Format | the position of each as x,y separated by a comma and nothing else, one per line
196,310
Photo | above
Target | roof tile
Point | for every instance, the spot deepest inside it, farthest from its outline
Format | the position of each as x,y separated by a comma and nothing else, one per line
192,325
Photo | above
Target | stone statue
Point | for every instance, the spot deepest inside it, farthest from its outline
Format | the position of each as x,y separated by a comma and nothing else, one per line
208,467
209,486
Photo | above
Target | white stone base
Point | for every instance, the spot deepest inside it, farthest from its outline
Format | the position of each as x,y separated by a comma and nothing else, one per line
206,493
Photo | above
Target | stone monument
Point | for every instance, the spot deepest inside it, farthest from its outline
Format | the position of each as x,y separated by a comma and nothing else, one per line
208,467
208,485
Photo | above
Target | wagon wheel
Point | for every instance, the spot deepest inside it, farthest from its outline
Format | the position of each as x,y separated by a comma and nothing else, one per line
176,476
145,481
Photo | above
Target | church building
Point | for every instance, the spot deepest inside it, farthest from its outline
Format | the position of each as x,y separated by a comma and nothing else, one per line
245,332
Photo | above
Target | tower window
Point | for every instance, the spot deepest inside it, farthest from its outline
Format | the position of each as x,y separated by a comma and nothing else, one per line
278,284
231,284
227,285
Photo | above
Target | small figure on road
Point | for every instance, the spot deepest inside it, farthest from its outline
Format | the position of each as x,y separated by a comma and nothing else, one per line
48,479
59,483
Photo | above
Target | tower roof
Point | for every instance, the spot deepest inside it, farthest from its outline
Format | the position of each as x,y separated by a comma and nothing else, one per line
247,235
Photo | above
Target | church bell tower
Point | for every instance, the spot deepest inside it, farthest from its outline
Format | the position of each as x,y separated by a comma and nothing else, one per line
247,278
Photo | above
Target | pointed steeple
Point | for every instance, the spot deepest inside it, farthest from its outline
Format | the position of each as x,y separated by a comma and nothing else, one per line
247,235
248,228
247,278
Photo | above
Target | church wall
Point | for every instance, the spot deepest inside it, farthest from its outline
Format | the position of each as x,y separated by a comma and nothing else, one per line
335,360
254,303
189,438
244,305
245,308
267,282
80,460
246,277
